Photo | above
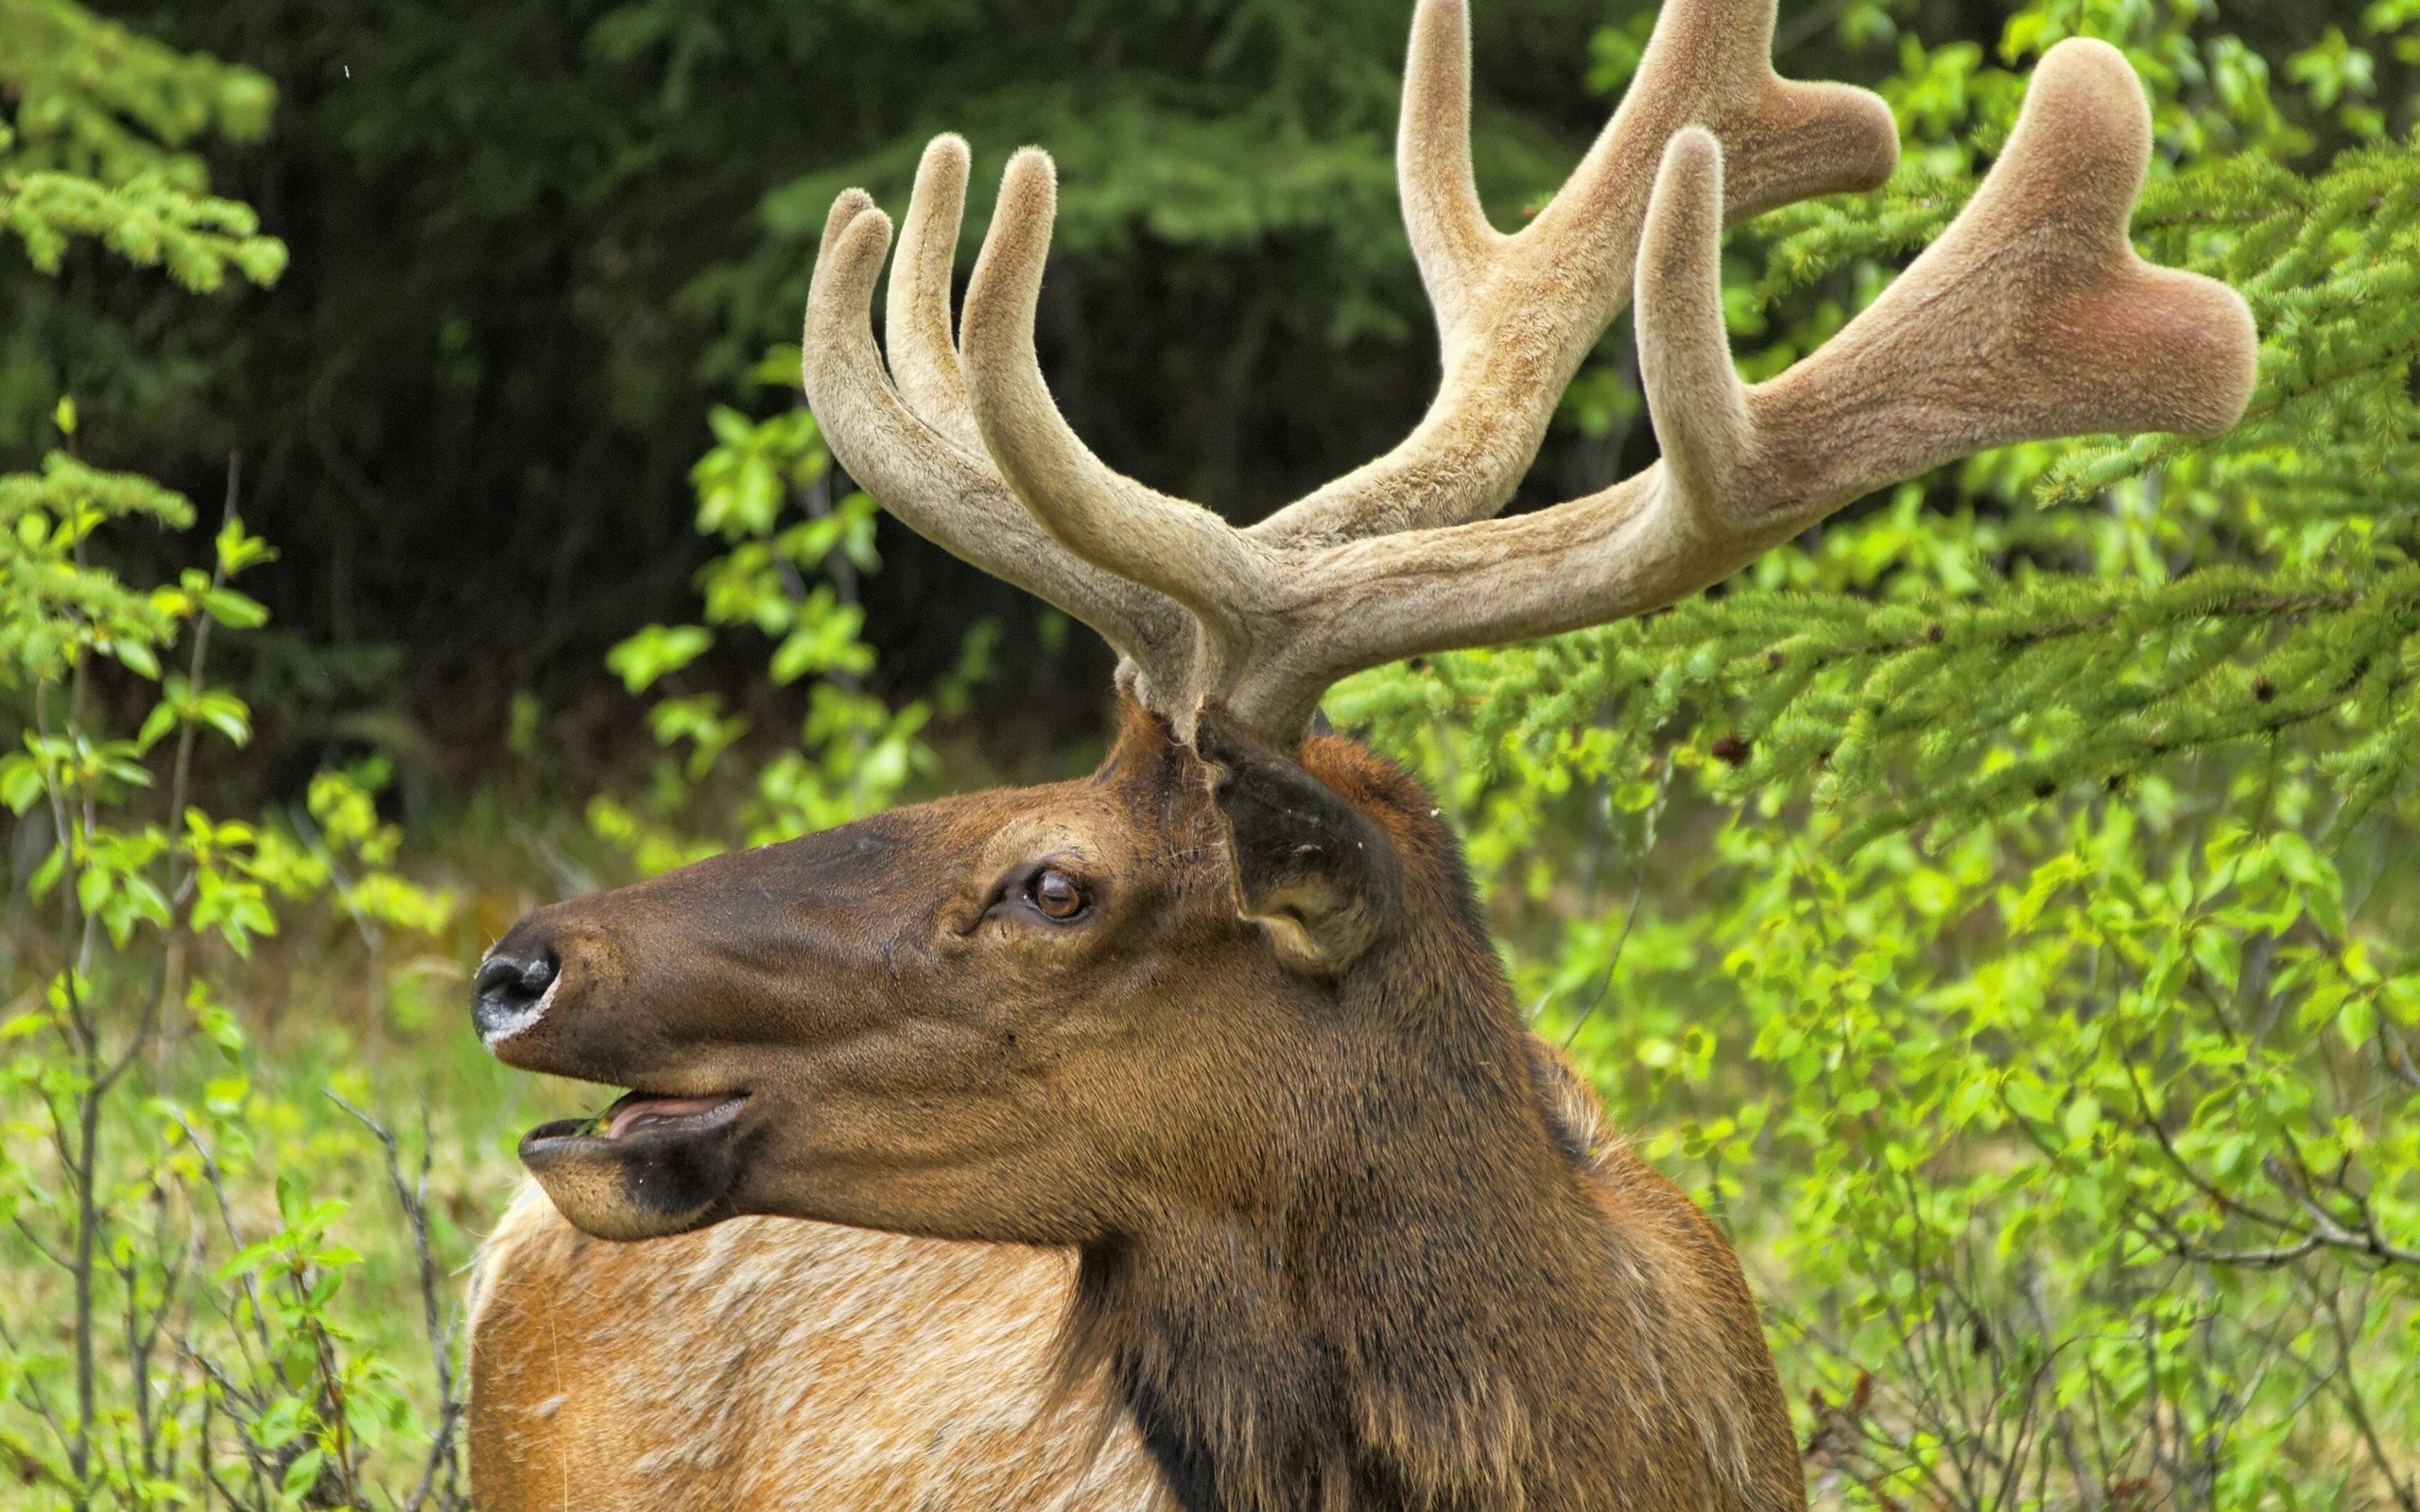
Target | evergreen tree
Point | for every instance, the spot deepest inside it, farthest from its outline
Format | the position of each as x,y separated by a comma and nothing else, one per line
2038,999
98,141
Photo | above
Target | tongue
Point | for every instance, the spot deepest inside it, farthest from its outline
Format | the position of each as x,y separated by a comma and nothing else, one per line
634,1110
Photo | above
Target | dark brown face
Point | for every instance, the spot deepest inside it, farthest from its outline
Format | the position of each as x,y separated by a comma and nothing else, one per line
1011,1016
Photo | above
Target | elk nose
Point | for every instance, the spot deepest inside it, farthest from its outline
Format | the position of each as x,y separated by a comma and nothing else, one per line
511,993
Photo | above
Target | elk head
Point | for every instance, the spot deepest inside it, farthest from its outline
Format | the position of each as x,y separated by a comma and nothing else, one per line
1006,1016
1240,963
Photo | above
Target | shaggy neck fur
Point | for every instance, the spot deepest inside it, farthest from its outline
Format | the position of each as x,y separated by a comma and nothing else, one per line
1459,1299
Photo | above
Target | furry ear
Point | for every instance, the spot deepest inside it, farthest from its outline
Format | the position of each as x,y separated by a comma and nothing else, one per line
1310,869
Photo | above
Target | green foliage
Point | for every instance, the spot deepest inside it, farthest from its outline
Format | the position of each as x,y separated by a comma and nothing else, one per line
197,1354
2229,592
1997,905
146,220
164,1340
2034,996
95,99
854,752
551,234
2078,1176
1265,123
93,149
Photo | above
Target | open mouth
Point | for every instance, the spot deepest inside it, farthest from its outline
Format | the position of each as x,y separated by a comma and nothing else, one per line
647,1165
639,1113
636,1112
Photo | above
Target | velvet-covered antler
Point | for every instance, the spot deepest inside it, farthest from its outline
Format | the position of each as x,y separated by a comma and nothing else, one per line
1517,313
2031,317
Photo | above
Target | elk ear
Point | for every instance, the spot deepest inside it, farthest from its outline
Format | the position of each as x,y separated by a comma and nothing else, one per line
1310,868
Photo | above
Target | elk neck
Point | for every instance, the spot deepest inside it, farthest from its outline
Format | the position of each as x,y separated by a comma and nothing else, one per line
1433,1306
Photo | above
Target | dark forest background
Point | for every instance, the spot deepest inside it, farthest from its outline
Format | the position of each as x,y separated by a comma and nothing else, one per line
534,241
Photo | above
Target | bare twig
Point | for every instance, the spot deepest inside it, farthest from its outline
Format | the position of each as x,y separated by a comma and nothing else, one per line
441,1475
1630,916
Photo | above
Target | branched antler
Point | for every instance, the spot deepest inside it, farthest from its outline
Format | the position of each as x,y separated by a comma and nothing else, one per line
2031,317
921,458
1517,313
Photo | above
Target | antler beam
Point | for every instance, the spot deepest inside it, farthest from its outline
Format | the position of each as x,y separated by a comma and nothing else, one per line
2031,317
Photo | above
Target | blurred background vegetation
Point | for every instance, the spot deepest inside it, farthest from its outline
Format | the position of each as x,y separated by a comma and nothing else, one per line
1998,905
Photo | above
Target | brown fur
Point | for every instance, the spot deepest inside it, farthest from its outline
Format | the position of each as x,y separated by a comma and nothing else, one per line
1347,1242
848,1368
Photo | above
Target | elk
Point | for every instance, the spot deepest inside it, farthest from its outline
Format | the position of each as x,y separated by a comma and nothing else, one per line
1170,1137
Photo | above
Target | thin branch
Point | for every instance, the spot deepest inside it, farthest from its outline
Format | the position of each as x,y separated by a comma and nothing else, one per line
443,1462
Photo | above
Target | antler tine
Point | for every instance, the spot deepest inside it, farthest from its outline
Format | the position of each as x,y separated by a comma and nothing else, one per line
1517,313
1451,239
2031,317
1709,63
950,496
1104,517
924,358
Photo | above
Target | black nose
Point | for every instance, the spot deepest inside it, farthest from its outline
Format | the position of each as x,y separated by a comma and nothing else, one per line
505,994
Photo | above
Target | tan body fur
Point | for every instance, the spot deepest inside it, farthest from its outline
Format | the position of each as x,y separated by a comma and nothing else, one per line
776,1362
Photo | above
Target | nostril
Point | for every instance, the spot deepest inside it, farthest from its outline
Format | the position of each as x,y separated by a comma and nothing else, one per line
502,974
509,993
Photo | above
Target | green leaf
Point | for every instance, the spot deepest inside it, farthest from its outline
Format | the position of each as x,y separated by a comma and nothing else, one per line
2358,1020
20,782
163,719
226,715
656,652
304,1473
136,657
237,550
235,611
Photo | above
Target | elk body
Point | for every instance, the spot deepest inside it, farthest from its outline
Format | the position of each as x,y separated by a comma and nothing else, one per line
1170,1136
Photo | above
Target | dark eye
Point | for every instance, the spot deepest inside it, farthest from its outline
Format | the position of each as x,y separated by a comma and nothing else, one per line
1058,895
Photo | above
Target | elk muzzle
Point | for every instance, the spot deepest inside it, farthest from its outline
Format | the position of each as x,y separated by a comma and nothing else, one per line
703,990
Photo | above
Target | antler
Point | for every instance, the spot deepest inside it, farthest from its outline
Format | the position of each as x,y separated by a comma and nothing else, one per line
2031,317
915,446
1517,313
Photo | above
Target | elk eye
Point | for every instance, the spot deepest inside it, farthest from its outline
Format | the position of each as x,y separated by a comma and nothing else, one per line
1058,895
